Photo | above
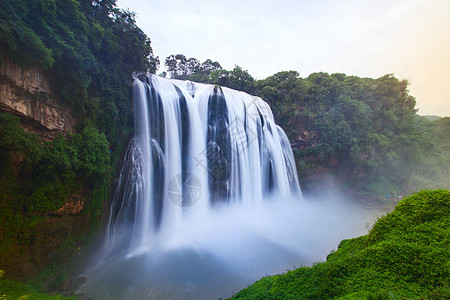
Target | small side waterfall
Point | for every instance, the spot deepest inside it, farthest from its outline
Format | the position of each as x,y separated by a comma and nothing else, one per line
196,146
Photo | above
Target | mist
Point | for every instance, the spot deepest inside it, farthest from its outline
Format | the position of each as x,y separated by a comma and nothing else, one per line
228,249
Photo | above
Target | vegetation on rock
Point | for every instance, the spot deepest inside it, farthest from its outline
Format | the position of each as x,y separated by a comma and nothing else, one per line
88,50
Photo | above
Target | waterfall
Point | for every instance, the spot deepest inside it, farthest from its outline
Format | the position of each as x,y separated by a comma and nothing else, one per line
206,199
196,146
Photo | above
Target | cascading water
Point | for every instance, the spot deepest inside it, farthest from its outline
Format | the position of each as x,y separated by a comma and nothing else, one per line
207,200
196,146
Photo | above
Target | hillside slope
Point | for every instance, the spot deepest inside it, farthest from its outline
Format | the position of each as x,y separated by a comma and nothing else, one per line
405,255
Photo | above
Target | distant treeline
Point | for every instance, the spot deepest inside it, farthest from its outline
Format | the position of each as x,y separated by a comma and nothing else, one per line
364,132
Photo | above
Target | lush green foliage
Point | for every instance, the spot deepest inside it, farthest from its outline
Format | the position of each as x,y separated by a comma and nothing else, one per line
404,256
285,93
180,67
365,131
89,49
434,169
365,127
38,177
12,290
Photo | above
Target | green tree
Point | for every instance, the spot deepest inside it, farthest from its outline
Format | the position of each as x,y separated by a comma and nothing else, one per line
180,67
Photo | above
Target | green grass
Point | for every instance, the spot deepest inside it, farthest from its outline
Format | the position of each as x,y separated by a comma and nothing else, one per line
404,256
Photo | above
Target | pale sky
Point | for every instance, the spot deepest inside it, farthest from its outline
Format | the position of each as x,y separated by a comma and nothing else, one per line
367,38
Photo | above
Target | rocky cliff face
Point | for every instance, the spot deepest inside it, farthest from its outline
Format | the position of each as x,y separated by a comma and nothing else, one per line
28,93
